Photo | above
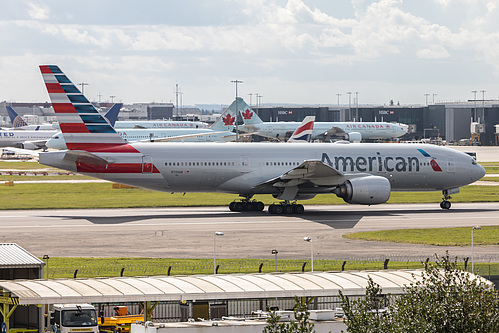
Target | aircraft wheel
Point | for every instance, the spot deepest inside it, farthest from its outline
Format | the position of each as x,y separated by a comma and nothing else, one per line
249,206
232,206
288,209
298,209
278,209
445,204
258,206
239,206
271,209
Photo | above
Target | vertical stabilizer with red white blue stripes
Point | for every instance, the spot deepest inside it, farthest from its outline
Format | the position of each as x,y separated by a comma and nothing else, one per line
83,127
94,147
304,132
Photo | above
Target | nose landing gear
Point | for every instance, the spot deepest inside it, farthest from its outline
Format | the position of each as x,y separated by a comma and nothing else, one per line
445,204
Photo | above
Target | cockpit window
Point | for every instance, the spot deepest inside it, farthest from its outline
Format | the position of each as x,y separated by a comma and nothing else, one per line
473,161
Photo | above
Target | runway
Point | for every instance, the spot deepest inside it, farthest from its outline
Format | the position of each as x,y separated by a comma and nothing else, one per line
189,232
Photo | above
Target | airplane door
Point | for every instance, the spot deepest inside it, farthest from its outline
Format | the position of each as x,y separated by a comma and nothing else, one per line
244,162
147,165
450,165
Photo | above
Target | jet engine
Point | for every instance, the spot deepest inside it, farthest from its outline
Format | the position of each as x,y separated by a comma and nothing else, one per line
369,190
28,145
353,137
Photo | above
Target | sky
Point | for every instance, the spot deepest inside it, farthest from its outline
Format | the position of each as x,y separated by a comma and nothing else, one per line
287,51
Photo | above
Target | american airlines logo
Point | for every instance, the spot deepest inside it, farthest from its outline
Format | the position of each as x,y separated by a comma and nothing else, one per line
372,163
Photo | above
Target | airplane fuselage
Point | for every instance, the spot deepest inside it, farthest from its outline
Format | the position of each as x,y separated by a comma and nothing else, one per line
16,138
241,167
368,130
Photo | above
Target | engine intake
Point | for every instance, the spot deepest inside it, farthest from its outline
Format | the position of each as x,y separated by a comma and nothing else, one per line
369,190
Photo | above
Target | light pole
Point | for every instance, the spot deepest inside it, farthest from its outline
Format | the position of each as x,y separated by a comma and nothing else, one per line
275,252
46,258
350,104
474,100
217,233
83,84
308,239
472,250
338,98
237,110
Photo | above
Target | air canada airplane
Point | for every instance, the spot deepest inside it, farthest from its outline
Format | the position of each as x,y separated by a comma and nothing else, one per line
360,173
351,131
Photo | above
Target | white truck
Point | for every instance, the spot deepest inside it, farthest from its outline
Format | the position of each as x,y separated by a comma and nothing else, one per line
67,318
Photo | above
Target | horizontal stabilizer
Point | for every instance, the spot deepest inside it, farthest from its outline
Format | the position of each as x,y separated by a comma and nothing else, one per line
81,156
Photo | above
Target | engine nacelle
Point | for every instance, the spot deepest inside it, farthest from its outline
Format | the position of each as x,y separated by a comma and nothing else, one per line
369,190
29,145
353,137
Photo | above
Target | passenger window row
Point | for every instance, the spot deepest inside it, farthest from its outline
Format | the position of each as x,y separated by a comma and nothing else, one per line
199,164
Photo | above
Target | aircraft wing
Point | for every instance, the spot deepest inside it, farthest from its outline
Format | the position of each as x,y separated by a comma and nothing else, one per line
335,131
313,171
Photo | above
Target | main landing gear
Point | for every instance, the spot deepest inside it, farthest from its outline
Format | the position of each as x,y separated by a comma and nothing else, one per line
286,208
445,204
246,205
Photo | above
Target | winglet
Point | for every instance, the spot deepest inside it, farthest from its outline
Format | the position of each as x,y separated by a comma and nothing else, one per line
304,132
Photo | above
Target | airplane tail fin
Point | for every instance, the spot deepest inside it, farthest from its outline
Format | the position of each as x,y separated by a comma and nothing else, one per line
84,128
249,116
304,132
16,119
112,114
227,120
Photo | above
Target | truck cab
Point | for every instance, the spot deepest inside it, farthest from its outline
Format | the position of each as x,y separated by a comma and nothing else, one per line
66,318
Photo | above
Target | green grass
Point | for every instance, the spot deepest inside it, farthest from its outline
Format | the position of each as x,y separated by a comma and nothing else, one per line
433,236
22,165
61,267
102,195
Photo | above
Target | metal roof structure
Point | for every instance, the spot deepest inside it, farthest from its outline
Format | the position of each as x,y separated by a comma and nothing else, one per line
14,256
205,287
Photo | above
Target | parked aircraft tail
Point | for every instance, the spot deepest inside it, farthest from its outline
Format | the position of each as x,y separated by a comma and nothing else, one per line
16,119
249,116
227,120
304,132
112,114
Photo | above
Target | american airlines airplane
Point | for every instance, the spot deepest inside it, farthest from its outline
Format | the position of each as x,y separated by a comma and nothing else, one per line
360,173
221,130
351,131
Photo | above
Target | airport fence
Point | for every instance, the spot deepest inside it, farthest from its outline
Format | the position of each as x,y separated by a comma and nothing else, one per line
485,266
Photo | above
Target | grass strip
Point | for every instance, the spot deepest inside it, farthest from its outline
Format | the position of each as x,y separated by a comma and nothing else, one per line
433,236
62,267
102,195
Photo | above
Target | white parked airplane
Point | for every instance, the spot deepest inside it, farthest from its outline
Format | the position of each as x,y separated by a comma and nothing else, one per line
25,139
351,131
221,130
360,173
112,116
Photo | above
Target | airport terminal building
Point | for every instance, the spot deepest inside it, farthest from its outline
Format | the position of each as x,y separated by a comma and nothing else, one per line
457,122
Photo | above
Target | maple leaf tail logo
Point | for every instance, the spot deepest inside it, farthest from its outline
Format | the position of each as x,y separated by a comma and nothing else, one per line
247,114
228,120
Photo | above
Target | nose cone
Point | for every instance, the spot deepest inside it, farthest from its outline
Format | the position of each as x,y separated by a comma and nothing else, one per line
478,172
56,142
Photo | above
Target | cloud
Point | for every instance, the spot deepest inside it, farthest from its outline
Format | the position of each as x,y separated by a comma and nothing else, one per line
38,11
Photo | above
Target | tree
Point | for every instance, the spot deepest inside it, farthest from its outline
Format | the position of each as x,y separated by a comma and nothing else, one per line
301,324
445,299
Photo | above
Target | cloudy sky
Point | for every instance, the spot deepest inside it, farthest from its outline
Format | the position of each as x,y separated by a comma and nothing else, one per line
288,51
